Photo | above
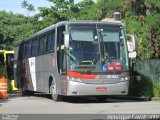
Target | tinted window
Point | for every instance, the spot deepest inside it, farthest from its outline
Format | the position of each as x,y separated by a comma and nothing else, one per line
21,53
27,49
42,45
34,47
50,42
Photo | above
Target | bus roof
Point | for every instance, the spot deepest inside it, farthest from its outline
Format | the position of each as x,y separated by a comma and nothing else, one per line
47,29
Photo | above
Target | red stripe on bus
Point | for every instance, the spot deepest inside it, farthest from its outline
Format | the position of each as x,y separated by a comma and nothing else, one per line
80,75
25,76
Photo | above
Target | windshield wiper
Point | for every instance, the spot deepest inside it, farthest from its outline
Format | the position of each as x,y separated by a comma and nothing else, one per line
71,56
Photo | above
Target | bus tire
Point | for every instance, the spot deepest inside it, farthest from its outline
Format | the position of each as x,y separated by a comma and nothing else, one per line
53,92
29,93
24,92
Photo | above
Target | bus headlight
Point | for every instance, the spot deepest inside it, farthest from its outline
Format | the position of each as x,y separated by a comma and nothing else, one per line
125,78
75,79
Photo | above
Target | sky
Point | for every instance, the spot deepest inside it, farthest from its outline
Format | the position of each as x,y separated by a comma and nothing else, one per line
15,5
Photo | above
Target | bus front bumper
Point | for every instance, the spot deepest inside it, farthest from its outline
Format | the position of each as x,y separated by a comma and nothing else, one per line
83,89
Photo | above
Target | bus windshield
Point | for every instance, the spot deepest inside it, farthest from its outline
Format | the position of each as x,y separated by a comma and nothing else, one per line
97,48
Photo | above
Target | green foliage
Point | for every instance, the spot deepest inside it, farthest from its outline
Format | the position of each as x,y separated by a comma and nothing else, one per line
106,8
14,27
150,78
133,26
27,6
87,10
66,10
153,5
92,13
156,89
141,88
142,19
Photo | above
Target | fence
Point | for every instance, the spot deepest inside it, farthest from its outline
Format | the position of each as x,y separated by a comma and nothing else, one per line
149,72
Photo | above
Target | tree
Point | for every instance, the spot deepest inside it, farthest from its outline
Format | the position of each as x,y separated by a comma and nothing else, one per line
61,10
142,19
29,7
87,10
106,8
14,27
66,10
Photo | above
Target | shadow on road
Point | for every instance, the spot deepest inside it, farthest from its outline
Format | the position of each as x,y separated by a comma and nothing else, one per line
110,99
83,100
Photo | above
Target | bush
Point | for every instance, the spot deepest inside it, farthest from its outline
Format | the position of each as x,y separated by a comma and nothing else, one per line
156,89
143,87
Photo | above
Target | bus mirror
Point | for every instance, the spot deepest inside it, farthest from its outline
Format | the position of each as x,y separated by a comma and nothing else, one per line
131,42
132,45
66,40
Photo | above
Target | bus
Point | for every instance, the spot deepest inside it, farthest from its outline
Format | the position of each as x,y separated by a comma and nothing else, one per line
6,67
74,58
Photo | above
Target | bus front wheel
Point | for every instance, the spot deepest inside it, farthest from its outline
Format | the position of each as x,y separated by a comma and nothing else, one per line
53,92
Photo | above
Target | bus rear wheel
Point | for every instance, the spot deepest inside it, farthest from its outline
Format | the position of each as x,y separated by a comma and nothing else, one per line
27,92
54,94
24,92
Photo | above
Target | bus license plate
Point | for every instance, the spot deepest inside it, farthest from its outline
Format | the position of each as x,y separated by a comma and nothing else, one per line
101,89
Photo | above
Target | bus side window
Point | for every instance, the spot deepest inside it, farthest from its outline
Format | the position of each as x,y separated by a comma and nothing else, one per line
21,53
42,44
34,47
27,50
50,42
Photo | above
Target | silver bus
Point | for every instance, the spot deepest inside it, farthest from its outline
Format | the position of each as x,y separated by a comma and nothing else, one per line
74,58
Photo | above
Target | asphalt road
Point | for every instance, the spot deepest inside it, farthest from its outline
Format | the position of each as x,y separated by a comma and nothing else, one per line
42,104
